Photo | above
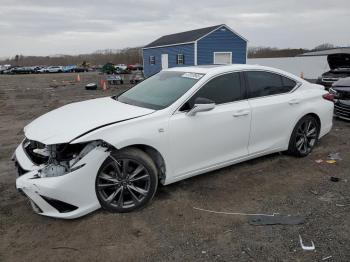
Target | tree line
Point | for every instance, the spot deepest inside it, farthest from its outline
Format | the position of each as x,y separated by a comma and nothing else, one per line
134,56
101,57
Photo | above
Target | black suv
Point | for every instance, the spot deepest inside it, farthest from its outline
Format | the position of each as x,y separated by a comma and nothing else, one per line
340,68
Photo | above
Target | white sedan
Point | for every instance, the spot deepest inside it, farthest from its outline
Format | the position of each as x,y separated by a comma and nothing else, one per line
114,151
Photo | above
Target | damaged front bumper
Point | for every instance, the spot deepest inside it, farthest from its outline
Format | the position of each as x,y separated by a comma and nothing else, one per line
67,196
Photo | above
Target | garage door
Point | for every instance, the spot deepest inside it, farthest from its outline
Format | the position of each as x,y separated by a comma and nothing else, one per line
222,58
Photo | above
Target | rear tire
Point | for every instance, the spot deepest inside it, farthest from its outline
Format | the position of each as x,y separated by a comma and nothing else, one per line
304,136
127,180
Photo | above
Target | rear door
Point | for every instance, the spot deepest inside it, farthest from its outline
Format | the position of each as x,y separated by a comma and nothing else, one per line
274,110
212,137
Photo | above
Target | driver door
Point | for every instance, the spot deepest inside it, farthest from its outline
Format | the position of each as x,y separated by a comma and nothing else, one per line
213,137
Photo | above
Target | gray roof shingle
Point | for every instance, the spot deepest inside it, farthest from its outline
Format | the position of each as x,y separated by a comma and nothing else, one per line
183,37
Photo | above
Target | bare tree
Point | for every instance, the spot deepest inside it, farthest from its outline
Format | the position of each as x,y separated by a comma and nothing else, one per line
323,46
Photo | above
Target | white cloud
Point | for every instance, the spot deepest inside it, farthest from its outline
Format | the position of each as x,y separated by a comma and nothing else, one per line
45,27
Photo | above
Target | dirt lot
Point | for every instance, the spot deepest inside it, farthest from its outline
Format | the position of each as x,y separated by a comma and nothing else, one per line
170,229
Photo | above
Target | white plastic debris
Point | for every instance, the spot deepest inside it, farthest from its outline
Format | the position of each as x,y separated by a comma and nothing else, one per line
308,248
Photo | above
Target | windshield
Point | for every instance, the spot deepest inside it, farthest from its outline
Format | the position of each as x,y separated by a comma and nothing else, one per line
160,90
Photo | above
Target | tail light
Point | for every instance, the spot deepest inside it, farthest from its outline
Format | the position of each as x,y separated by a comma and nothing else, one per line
329,97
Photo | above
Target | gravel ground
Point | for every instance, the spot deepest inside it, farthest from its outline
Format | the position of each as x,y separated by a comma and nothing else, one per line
170,229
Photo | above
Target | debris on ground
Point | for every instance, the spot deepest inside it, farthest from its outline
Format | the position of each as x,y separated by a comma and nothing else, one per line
91,86
326,258
334,179
334,156
330,197
248,252
234,213
70,248
62,83
319,161
308,248
276,220
340,205
331,161
314,192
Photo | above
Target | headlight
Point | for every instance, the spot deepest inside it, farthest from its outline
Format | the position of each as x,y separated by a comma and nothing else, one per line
62,158
334,92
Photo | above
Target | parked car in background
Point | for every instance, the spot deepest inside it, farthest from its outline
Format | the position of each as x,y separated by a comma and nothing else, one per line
135,67
11,70
35,69
339,65
114,80
54,69
22,70
42,69
108,68
112,152
4,68
341,92
80,69
68,68
136,77
121,67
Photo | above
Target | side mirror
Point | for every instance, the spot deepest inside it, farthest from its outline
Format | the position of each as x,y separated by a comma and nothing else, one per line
201,104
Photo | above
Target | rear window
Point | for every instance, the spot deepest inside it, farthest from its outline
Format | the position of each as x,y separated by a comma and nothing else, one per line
263,83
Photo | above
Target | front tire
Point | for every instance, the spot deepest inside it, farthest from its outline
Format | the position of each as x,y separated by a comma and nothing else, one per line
304,136
127,180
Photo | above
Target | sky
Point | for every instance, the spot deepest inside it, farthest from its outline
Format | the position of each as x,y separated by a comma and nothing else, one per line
45,27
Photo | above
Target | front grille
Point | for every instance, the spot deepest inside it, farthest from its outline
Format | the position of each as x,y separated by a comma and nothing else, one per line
341,109
29,146
342,95
329,79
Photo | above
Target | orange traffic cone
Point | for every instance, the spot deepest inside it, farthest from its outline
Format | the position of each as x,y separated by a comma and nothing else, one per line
78,78
104,86
302,75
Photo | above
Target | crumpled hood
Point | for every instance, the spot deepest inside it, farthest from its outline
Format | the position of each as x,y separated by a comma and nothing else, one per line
70,121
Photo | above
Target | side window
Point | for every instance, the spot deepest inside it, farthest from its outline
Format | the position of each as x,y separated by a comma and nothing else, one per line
265,84
288,84
222,89
152,60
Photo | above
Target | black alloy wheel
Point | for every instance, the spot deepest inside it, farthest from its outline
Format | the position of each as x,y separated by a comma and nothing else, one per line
127,180
304,136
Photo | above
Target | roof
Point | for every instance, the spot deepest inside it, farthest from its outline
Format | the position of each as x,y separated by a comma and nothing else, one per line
343,50
218,69
186,37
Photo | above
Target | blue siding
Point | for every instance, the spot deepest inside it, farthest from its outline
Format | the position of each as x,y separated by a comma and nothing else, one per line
221,41
187,50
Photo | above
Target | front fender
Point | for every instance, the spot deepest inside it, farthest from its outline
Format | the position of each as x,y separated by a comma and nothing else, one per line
150,131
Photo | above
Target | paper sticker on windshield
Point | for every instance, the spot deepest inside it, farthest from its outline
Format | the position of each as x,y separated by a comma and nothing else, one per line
193,75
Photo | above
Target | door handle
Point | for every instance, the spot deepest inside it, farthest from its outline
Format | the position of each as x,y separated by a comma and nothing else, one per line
294,102
241,113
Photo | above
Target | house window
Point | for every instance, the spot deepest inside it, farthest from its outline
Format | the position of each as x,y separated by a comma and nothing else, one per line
180,59
222,58
152,60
